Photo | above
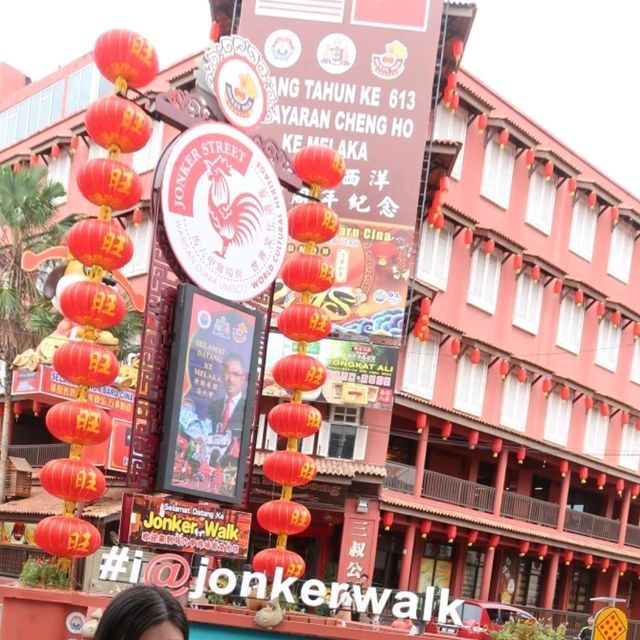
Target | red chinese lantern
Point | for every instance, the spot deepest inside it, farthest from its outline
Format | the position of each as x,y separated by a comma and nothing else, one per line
86,364
319,165
16,166
468,241
504,368
290,468
521,454
55,151
564,468
572,186
588,560
299,372
496,447
421,422
542,551
489,246
36,407
425,528
100,242
636,330
305,322
313,222
137,216
93,304
67,537
118,124
452,532
529,158
109,183
583,474
604,409
535,272
125,58
517,262
421,331
588,403
619,486
601,309
304,272
503,138
601,480
472,537
567,556
547,386
615,215
548,170
387,520
592,200
425,307
457,48
72,479
483,120
616,318
605,563
383,251
474,356
445,431
455,102
268,560
455,347
557,286
635,491
494,541
283,516
522,375
73,145
622,567
33,160
474,438
444,183
565,393
624,418
578,297
523,548
18,409
78,422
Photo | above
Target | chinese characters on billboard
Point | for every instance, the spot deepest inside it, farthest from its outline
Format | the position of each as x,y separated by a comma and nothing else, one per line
210,399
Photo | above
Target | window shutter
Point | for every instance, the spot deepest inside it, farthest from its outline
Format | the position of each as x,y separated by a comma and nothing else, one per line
621,252
360,445
558,419
583,229
420,367
541,202
308,445
595,437
323,439
470,386
635,363
148,156
435,256
142,238
608,345
528,303
262,418
630,448
515,403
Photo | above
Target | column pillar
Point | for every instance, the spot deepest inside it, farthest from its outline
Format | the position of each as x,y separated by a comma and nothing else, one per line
501,477
613,584
624,514
563,500
407,557
550,578
421,458
487,573
473,469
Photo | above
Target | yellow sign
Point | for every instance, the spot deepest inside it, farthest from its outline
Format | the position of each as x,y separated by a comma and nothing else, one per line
610,624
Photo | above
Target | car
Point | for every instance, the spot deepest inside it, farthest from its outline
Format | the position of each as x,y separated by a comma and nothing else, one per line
479,619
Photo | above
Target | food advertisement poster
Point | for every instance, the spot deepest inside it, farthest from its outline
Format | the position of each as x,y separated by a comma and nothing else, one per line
161,522
18,533
357,373
210,397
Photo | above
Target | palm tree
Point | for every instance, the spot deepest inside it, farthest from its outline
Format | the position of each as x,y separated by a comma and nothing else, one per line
27,222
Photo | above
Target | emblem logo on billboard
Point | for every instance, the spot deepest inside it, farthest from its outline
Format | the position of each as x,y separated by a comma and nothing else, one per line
282,48
336,53
224,211
390,64
234,71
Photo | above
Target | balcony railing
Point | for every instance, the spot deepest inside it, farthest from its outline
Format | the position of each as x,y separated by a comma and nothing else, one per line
632,537
457,491
591,525
401,477
529,509
39,454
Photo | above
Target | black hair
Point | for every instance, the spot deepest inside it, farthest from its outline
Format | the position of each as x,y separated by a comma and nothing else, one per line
137,609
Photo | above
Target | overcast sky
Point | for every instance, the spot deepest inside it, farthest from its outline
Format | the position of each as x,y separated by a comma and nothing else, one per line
571,65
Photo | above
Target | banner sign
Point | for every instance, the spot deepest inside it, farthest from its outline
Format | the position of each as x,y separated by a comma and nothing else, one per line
18,533
315,494
357,373
209,412
161,522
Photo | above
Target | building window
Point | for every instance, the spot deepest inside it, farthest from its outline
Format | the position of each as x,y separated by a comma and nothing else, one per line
434,256
583,229
570,325
473,569
515,403
541,201
85,86
558,419
421,362
630,447
266,437
343,436
595,434
59,171
96,152
528,303
608,347
635,363
471,380
142,238
484,281
621,252
497,173
147,158
452,125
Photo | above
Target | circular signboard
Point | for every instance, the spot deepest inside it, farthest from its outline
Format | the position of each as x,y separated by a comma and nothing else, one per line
224,211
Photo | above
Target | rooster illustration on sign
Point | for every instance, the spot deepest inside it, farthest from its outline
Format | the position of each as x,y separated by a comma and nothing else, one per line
237,222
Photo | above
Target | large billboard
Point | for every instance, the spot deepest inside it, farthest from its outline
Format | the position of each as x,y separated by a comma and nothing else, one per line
210,405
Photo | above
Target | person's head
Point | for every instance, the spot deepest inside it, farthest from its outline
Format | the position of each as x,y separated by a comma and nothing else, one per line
364,580
143,613
590,621
233,374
